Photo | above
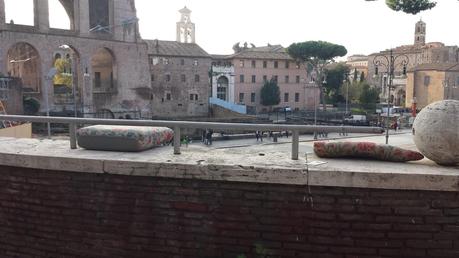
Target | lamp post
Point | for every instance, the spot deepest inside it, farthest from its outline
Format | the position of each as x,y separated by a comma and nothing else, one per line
390,64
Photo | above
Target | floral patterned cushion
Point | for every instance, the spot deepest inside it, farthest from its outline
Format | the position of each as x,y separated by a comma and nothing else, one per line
367,150
123,138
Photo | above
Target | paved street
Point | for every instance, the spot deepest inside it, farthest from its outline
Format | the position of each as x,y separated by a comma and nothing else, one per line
401,138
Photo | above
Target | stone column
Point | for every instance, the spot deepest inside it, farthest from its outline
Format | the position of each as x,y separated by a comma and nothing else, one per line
82,17
86,91
2,14
41,15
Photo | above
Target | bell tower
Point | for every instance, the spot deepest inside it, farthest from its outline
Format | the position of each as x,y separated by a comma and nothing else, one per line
185,28
420,33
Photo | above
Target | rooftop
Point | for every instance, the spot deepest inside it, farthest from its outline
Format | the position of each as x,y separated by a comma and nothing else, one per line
174,48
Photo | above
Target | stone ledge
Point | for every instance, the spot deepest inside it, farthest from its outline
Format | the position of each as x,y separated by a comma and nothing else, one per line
237,165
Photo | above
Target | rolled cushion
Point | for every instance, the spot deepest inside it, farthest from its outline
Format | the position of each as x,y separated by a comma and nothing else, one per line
123,138
367,150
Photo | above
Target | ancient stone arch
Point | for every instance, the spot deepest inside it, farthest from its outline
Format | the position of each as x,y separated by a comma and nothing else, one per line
120,37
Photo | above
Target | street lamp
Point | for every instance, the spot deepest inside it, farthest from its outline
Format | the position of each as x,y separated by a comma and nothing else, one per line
389,64
315,103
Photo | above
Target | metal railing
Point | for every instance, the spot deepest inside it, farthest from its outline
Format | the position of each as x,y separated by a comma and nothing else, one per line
178,125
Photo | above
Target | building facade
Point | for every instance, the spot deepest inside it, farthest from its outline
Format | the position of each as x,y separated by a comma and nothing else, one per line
179,74
418,53
428,83
358,64
256,65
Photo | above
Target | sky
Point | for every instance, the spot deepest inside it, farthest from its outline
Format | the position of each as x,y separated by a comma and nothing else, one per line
362,27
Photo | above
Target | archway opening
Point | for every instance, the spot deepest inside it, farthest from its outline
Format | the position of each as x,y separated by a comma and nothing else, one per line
61,14
104,70
66,82
19,12
23,62
222,88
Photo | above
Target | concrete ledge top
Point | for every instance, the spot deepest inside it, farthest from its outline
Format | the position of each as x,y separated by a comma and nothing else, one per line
262,163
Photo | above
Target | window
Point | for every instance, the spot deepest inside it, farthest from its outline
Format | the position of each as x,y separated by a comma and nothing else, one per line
297,79
194,97
168,96
182,62
165,61
196,78
275,78
265,78
297,97
426,80
152,77
285,97
97,80
254,64
241,97
183,78
276,64
254,79
241,78
287,79
168,77
287,64
265,64
241,63
155,60
252,97
195,62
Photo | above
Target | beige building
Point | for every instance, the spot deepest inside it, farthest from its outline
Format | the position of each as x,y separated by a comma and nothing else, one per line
418,53
358,64
253,66
428,83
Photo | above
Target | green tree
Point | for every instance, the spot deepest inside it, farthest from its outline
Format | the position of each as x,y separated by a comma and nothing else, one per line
362,76
354,78
270,94
317,55
369,96
410,6
336,74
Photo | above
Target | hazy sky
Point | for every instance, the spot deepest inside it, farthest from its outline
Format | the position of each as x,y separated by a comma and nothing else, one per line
361,26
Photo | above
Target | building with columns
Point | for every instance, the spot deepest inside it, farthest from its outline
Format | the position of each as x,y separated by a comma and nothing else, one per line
417,53
103,60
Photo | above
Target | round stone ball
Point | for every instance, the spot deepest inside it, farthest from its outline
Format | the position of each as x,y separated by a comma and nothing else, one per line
436,132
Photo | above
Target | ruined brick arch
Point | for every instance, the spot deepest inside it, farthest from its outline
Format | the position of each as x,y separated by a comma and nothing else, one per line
104,68
70,10
24,61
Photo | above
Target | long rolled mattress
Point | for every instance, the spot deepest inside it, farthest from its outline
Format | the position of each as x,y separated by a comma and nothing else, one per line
123,138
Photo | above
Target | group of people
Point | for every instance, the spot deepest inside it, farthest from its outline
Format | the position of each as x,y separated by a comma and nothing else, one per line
207,136
260,134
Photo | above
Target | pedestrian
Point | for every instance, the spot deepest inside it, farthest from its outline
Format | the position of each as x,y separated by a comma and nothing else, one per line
395,126
286,134
209,137
203,136
261,135
257,135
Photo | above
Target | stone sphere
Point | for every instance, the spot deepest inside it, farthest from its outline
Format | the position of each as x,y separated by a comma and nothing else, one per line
436,132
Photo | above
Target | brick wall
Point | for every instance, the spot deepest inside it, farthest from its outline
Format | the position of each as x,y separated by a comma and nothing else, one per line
62,214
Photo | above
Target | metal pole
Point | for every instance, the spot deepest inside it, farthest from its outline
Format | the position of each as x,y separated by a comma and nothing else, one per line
47,105
295,144
391,73
177,140
347,96
315,115
72,132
